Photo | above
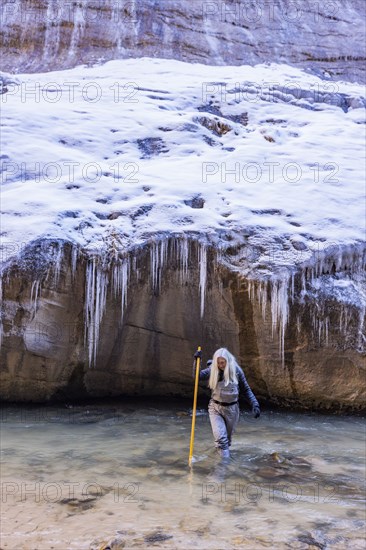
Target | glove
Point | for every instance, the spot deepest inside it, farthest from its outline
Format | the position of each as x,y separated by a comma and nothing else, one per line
198,354
256,411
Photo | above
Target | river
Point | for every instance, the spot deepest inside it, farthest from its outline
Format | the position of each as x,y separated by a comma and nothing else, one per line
92,474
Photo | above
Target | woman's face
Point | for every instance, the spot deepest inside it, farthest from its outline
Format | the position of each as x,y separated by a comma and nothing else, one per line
221,363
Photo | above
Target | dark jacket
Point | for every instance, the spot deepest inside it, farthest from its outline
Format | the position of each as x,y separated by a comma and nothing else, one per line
244,387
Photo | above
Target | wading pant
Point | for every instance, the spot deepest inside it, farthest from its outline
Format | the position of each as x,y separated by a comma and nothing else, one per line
223,421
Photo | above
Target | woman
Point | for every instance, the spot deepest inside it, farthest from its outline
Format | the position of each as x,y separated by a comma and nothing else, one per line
225,379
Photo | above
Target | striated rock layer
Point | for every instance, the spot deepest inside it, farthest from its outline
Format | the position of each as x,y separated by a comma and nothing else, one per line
327,38
75,325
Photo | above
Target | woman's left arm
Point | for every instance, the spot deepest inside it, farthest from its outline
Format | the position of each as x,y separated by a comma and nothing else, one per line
245,388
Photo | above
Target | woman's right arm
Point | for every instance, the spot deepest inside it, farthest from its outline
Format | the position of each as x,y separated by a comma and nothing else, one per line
204,374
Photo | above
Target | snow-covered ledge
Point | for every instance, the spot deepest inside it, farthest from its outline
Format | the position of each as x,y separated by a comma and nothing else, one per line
193,207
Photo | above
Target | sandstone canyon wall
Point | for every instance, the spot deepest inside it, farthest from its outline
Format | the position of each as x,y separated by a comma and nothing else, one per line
76,327
74,324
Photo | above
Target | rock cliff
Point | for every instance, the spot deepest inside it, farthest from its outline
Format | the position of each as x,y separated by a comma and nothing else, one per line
325,38
77,326
151,206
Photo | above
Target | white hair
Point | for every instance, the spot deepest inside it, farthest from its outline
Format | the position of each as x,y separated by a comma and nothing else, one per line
230,368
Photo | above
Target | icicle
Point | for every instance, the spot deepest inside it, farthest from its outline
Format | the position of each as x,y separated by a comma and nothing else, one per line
125,278
116,283
339,260
326,331
262,297
89,305
279,312
250,289
320,266
279,290
321,328
79,19
158,258
274,307
362,336
202,260
95,302
182,259
259,294
154,265
312,275
57,264
120,280
163,259
74,260
1,311
249,284
120,17
292,287
35,294
135,270
303,282
52,31
298,324
343,321
319,324
253,289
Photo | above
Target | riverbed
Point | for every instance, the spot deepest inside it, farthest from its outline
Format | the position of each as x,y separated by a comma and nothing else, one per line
88,475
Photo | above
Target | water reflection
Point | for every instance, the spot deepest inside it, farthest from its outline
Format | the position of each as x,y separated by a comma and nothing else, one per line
86,475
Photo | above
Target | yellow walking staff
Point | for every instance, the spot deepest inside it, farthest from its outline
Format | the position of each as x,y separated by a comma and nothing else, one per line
198,360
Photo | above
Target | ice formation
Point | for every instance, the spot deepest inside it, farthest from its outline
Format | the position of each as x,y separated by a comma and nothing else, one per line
203,275
35,293
121,272
95,302
1,312
334,280
338,277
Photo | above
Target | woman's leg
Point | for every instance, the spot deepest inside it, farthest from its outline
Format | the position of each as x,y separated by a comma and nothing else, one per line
231,416
218,426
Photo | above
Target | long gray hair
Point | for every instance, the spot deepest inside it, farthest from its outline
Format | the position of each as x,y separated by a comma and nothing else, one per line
229,372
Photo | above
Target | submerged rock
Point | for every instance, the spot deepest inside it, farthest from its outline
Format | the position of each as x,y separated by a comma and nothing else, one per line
76,505
158,536
290,460
116,543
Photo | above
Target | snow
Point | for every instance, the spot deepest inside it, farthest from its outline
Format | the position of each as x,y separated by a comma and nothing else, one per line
263,160
119,148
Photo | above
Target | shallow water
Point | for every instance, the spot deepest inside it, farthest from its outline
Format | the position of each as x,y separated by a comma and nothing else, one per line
81,476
